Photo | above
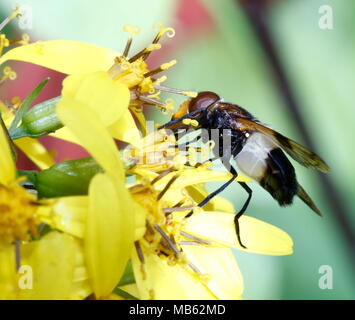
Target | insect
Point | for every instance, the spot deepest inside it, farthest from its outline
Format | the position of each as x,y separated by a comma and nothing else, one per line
257,150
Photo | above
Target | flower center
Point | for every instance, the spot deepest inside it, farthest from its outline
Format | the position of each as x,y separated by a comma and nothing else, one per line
144,84
160,230
17,213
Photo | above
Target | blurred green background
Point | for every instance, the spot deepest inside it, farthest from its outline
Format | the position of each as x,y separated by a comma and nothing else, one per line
225,56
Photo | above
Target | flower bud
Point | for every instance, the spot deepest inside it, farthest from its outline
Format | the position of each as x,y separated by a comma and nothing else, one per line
67,178
39,120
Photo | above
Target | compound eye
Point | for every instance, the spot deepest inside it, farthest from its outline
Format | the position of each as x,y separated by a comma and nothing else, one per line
203,100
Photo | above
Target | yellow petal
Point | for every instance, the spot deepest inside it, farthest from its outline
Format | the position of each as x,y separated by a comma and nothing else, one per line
125,129
159,281
199,193
52,261
36,152
203,175
69,215
221,204
7,115
112,296
70,57
190,177
256,235
92,134
109,233
7,166
99,92
80,288
140,215
220,267
8,278
65,134
141,120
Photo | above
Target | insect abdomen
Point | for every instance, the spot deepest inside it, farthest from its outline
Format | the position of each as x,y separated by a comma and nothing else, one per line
280,178
263,161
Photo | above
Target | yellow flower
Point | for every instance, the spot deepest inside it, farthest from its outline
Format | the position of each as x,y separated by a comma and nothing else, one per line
103,80
56,259
190,254
51,268
109,227
20,212
20,215
174,257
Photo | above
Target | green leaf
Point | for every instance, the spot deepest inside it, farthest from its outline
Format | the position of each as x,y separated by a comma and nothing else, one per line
124,294
127,278
128,275
26,104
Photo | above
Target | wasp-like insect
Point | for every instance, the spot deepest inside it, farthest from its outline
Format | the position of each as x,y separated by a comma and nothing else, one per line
256,149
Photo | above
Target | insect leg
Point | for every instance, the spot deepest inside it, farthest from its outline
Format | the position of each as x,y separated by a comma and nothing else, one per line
216,192
242,210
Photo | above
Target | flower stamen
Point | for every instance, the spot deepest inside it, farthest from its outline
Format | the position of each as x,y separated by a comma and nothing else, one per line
8,73
25,39
139,251
170,243
150,101
154,95
131,30
161,68
17,213
161,175
157,82
170,32
18,254
194,238
167,186
13,15
149,49
191,94
177,209
194,268
4,42
190,122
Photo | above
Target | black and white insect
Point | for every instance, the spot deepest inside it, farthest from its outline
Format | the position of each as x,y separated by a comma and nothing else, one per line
257,150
